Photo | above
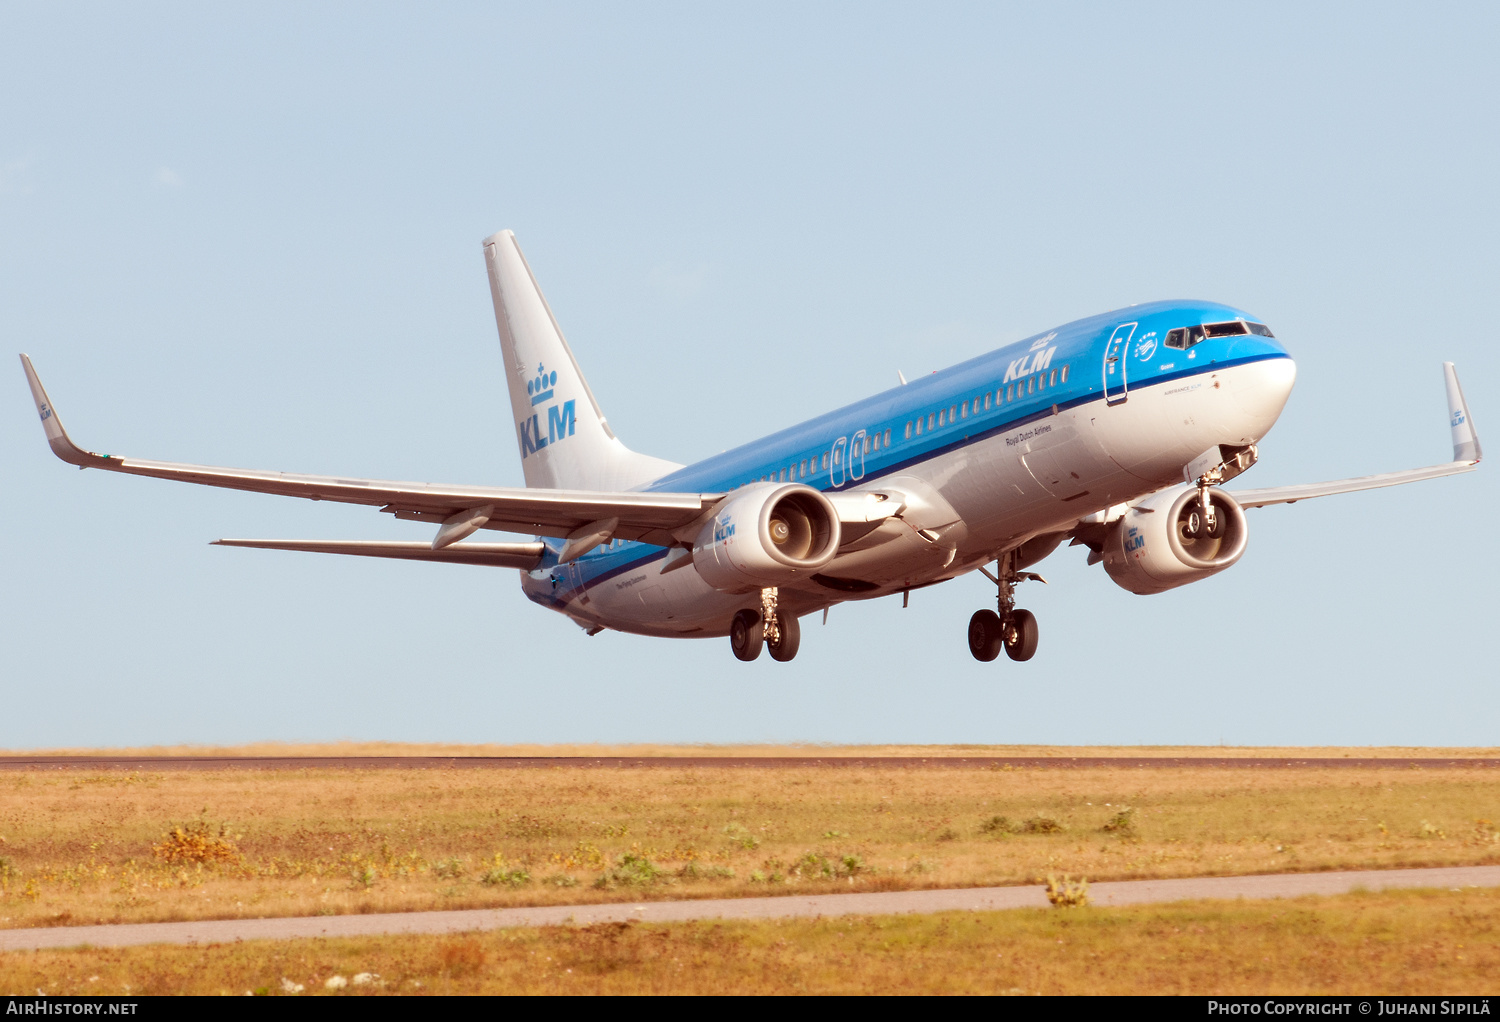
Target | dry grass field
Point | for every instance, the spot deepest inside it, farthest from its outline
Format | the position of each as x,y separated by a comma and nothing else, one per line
806,749
88,847
1409,942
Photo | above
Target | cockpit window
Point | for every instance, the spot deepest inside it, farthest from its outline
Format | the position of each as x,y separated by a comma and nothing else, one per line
1184,337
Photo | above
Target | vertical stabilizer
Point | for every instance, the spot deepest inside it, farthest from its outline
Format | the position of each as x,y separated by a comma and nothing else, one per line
564,440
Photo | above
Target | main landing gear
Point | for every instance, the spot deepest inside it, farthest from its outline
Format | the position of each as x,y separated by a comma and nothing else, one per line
1012,629
777,632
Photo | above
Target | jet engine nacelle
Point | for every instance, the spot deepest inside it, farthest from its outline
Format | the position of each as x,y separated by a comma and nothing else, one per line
1164,541
767,535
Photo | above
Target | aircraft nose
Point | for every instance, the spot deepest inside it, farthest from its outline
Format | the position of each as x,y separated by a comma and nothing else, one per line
1263,393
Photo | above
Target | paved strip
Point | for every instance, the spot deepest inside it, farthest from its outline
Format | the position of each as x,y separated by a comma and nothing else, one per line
1126,892
618,762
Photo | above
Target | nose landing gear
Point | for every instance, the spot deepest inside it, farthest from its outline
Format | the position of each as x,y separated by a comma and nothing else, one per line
1011,629
780,633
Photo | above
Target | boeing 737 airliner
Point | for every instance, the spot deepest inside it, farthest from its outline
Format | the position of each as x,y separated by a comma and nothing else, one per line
1115,432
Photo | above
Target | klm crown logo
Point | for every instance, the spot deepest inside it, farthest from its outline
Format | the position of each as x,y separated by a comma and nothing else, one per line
540,387
561,419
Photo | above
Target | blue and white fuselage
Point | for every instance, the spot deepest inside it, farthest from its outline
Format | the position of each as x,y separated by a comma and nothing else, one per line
1021,442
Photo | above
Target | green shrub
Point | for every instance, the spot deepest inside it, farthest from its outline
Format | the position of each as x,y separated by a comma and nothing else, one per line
631,870
1041,825
449,869
813,866
698,871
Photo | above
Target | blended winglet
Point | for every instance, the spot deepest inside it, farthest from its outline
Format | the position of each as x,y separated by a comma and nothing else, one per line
57,437
1465,440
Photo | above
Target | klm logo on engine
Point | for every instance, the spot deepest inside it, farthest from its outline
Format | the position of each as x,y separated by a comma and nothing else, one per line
561,418
723,529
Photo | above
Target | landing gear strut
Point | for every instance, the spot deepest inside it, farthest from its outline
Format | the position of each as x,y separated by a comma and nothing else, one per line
771,629
1012,629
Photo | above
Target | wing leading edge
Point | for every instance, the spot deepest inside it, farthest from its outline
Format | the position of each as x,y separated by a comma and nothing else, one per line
648,517
1466,457
525,556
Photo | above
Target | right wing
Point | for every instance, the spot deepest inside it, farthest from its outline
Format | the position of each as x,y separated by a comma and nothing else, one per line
648,517
1466,457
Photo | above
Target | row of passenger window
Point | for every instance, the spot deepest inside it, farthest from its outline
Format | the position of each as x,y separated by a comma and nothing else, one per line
875,441
814,464
984,402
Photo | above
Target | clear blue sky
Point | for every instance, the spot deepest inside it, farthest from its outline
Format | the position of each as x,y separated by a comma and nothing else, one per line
249,235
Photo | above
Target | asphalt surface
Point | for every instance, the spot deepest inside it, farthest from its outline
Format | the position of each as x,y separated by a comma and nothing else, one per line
1127,892
138,763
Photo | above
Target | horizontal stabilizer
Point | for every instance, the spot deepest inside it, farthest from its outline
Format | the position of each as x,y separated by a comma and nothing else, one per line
525,556
1466,455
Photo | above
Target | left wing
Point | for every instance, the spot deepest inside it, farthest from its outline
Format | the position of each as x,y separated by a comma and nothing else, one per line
1466,457
648,517
525,556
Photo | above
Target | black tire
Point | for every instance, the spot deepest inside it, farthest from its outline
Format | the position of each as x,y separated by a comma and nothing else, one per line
985,635
791,639
747,634
1021,637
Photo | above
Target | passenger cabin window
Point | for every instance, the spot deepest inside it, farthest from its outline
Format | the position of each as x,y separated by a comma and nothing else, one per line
908,431
987,401
825,461
888,438
963,410
931,421
1260,329
919,427
1010,392
1053,381
943,417
1065,374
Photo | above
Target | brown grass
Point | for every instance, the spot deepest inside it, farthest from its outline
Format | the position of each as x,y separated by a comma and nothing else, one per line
1393,943
76,847
806,749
